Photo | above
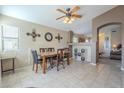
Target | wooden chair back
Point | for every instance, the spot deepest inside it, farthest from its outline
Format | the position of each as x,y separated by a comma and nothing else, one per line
60,54
51,49
43,50
65,50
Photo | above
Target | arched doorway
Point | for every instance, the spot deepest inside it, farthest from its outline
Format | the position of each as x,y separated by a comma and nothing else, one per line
98,32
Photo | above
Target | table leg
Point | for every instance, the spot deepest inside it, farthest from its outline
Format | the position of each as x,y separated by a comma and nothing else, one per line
44,65
1,67
36,68
68,63
13,65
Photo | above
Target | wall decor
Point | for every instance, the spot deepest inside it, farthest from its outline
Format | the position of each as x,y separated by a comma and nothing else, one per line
33,34
58,37
48,36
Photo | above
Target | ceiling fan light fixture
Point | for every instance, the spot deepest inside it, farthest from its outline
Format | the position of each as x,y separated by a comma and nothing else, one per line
72,19
70,15
70,22
65,21
68,9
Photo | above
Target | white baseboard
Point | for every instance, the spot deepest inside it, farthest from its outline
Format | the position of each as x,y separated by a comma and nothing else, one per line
94,64
122,69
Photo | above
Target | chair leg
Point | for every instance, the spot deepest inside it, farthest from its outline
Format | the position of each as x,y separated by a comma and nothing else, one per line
63,65
36,69
51,65
57,66
41,65
33,67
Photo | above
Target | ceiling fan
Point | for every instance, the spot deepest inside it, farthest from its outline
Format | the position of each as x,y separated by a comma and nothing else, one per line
70,14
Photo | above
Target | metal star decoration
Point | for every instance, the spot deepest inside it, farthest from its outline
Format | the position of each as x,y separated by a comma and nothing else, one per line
33,34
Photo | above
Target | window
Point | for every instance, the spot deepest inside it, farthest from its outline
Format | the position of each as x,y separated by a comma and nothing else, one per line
75,39
10,37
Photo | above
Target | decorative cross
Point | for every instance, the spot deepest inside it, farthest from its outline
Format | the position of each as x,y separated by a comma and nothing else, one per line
33,34
58,37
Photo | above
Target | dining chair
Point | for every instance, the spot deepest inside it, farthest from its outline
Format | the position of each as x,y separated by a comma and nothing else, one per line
43,50
36,60
50,59
51,49
60,58
65,54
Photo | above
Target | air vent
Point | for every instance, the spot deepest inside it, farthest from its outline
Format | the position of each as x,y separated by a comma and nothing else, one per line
113,31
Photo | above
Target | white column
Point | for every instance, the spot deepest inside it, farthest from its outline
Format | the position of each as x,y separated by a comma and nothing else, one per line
122,61
0,75
93,53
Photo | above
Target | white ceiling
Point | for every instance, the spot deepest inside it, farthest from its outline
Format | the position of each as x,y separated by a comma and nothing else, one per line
47,14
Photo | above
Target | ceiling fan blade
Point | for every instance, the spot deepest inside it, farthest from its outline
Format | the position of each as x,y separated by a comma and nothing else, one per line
60,17
62,11
77,16
76,8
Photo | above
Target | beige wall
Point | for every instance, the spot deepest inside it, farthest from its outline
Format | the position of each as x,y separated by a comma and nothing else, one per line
26,43
114,15
101,42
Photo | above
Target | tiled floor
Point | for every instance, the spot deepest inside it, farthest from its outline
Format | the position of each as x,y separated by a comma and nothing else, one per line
78,75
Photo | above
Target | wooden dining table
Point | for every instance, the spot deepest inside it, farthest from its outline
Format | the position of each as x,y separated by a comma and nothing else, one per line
46,55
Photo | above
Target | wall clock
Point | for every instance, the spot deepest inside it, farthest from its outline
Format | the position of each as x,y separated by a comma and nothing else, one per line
48,36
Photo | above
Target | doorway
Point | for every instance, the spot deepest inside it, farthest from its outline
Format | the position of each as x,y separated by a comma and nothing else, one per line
109,41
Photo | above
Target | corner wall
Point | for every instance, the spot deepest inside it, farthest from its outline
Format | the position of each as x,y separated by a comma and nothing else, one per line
114,15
